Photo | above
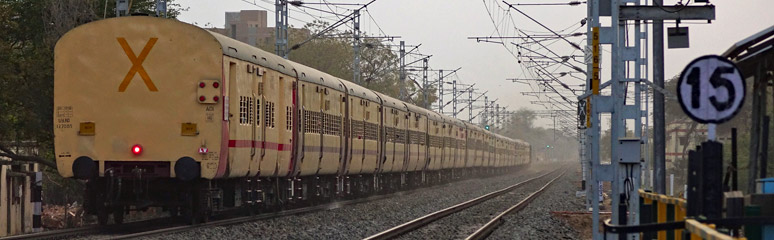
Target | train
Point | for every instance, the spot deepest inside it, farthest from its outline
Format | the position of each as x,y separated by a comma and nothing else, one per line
154,112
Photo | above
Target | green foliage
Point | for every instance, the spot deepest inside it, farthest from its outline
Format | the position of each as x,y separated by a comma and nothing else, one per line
334,55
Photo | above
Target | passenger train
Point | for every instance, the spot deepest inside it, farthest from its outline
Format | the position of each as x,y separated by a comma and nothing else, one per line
154,112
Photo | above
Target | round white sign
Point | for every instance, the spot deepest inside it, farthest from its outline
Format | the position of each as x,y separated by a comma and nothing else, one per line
711,89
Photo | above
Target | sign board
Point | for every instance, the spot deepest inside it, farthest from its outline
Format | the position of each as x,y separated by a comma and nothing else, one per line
711,89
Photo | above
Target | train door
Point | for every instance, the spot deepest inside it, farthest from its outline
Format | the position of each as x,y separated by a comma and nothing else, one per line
388,138
256,152
240,102
286,110
311,127
331,142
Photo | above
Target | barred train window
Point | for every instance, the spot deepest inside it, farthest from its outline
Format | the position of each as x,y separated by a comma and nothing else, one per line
289,118
258,112
250,117
269,119
243,113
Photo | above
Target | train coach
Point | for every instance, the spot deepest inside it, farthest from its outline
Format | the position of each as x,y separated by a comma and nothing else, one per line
153,112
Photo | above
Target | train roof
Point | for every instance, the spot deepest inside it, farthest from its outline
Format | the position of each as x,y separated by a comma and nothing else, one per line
246,52
360,91
308,74
391,102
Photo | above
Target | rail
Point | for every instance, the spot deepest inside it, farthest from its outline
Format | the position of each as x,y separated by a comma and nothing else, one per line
490,226
432,217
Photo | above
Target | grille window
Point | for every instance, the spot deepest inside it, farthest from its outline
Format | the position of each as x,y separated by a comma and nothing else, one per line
245,110
371,131
357,128
390,134
269,118
258,112
289,118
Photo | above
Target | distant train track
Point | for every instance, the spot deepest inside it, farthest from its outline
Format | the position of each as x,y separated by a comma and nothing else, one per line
423,221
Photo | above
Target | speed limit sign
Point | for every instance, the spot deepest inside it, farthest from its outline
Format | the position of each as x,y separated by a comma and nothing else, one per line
711,89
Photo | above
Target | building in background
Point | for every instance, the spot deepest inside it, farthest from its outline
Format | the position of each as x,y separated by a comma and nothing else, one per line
247,26
679,137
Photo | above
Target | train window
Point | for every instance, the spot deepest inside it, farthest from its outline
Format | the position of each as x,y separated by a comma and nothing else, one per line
289,118
269,118
243,113
258,112
250,118
367,115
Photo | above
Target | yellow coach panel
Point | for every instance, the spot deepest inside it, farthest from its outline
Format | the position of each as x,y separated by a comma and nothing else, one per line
129,81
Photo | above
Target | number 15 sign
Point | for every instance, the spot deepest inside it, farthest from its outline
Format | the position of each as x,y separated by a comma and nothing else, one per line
711,89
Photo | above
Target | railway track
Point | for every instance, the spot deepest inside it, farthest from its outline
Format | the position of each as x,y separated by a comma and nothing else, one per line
265,216
90,230
155,227
481,233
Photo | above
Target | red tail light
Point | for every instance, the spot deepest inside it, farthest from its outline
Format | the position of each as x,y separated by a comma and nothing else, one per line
215,84
202,98
136,149
216,98
202,85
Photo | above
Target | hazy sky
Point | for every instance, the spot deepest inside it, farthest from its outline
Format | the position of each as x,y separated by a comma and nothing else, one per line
442,27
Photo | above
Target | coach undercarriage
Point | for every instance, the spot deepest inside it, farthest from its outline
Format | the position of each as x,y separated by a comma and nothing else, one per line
196,200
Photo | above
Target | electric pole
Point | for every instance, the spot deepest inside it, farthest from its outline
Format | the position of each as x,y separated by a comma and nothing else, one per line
281,28
659,124
424,83
356,46
470,106
440,91
454,98
402,82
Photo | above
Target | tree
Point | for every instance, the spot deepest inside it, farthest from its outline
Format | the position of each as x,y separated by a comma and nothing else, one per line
334,55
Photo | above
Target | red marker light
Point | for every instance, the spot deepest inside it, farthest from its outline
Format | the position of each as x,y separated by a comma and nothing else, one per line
136,149
215,98
202,98
215,84
202,85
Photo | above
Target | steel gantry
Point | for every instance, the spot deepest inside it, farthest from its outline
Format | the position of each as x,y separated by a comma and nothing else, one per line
624,169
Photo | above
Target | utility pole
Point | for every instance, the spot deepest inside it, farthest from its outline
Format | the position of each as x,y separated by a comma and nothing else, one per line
484,118
402,83
470,106
281,28
356,47
497,116
659,124
424,83
454,98
440,91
